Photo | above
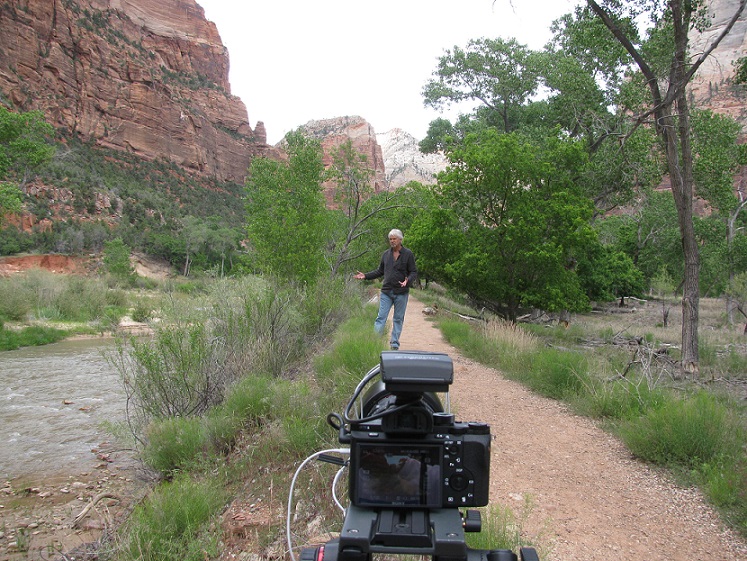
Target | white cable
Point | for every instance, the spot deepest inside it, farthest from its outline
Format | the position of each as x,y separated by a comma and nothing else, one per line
334,488
293,484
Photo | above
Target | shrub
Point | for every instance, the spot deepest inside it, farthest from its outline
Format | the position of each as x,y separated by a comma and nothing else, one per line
621,399
175,374
685,432
81,299
29,336
173,523
141,312
174,444
15,300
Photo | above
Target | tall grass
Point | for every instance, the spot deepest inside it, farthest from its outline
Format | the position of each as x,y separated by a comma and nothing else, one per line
39,294
694,430
697,434
503,529
275,418
174,523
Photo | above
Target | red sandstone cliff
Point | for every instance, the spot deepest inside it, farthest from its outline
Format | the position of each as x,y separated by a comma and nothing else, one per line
713,86
146,76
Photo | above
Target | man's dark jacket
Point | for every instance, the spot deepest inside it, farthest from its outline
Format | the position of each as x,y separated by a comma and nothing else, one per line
394,272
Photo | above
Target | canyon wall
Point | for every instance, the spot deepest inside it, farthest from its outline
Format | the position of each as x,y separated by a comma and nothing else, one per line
146,76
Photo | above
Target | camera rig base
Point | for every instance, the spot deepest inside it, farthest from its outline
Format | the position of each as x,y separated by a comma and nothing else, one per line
436,532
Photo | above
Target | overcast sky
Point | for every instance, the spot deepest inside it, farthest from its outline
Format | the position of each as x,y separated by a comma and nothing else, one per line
294,61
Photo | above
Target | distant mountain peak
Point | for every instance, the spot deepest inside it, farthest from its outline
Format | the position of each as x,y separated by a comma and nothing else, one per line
404,162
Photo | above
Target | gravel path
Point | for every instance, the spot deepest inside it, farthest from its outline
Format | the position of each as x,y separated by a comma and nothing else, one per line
590,500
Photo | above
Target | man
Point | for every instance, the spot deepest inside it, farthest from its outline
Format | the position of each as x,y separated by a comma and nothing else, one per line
398,268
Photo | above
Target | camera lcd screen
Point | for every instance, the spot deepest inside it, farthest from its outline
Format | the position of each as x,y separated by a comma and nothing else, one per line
394,475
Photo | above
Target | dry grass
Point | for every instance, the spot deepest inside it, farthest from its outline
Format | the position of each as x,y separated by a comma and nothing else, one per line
646,318
510,334
639,326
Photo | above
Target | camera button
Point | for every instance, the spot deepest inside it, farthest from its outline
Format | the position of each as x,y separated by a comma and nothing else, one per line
458,482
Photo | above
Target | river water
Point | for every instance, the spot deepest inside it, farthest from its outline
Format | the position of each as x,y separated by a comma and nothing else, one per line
53,402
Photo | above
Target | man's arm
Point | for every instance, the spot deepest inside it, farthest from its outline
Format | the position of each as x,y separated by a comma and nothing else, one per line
375,274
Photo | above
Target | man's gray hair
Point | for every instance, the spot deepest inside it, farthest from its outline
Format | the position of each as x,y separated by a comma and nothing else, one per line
397,233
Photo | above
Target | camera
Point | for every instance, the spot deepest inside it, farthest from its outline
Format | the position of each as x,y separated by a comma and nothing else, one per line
412,466
406,452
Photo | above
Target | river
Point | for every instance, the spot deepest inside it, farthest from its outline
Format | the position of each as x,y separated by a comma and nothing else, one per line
54,400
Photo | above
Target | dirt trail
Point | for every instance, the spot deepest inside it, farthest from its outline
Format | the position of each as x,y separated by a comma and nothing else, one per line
591,501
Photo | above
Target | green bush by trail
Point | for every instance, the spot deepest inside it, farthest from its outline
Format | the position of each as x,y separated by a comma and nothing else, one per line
698,435
173,523
281,417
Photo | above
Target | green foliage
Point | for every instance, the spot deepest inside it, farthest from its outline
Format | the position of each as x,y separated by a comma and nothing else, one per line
607,274
23,146
737,291
34,335
441,136
740,76
23,141
353,352
286,211
358,210
17,298
10,199
662,284
553,373
686,432
174,375
61,297
557,374
621,401
117,259
498,73
650,236
502,529
250,399
81,299
175,444
716,157
202,349
154,198
142,312
173,523
517,220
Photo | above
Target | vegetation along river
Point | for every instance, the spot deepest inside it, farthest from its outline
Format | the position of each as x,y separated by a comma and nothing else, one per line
54,400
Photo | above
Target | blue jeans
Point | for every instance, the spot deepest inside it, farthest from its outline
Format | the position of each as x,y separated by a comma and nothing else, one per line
399,302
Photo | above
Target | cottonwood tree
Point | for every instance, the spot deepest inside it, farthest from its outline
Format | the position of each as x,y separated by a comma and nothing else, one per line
352,177
512,223
286,213
667,66
499,74
717,158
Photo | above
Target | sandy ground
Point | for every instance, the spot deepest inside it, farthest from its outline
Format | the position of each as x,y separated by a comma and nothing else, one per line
590,500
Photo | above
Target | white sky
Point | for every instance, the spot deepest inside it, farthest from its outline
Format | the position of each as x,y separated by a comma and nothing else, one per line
294,61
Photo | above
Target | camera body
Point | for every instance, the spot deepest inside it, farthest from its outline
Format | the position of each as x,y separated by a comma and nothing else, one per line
406,452
447,467
412,467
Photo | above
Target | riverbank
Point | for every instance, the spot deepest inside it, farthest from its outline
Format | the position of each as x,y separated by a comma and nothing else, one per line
46,516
